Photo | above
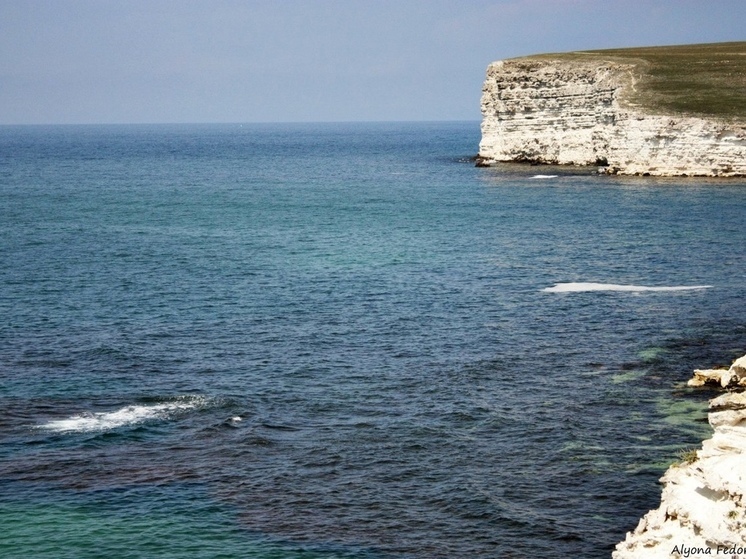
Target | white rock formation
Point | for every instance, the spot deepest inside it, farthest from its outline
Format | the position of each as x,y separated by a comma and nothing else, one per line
732,377
562,111
703,503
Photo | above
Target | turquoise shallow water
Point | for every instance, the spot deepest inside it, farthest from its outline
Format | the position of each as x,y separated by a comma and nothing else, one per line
335,340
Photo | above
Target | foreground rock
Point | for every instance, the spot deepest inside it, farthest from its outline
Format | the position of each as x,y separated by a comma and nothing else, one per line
727,378
563,111
703,503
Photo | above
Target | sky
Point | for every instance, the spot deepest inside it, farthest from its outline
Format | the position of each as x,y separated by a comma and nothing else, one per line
237,61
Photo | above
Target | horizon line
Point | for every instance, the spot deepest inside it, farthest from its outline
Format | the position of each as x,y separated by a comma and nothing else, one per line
236,123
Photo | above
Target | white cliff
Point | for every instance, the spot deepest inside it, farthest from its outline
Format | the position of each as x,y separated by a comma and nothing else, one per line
575,111
703,503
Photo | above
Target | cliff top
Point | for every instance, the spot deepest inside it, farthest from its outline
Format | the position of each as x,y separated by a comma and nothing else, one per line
699,80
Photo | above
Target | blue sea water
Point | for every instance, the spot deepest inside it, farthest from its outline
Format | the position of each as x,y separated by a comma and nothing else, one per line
345,341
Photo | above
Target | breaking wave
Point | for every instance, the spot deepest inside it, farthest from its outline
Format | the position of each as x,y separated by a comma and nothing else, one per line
579,287
544,177
128,415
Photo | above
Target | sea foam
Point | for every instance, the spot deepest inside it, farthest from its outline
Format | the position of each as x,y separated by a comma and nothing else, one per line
128,415
580,287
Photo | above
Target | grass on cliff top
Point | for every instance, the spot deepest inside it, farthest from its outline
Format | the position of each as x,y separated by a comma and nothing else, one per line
706,79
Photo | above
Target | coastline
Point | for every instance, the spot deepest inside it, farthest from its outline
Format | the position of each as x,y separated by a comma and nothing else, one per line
569,109
703,502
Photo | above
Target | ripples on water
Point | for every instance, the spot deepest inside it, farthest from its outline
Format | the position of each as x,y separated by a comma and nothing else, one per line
321,341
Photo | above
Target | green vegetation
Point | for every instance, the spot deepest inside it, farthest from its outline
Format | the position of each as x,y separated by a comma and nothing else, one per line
702,80
688,456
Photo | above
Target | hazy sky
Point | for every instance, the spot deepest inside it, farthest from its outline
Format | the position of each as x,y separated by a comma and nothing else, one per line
102,61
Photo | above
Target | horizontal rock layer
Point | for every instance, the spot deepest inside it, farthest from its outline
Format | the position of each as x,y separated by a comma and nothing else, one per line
575,112
703,503
727,378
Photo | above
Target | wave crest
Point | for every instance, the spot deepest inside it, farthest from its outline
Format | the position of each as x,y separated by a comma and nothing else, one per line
580,287
128,415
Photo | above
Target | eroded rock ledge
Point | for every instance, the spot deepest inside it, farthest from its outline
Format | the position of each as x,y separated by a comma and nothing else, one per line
732,377
703,503
560,111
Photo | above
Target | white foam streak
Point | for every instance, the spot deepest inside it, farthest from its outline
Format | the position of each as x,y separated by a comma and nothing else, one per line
544,177
580,287
105,421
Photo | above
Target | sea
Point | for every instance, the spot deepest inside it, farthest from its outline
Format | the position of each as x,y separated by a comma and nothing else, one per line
346,341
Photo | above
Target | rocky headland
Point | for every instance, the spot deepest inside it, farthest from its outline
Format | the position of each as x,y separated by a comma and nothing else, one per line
703,503
602,109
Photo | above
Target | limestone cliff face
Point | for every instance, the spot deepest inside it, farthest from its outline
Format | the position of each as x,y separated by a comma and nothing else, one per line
575,112
703,503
